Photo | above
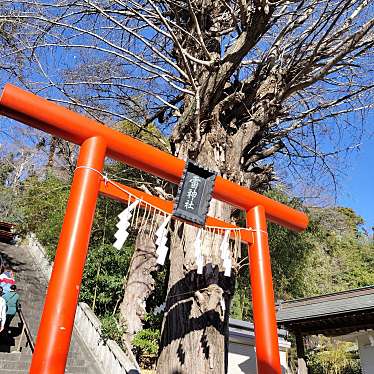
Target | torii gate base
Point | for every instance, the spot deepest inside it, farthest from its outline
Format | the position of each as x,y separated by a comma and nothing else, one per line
97,141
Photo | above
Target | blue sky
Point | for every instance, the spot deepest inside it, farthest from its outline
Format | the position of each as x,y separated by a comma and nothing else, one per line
357,188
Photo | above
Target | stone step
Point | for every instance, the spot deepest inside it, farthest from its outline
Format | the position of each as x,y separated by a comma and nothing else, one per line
68,370
73,360
13,356
32,289
14,365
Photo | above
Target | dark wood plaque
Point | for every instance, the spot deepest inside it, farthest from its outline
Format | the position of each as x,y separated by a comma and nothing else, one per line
194,194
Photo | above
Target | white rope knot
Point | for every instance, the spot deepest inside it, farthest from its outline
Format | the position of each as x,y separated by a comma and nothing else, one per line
89,168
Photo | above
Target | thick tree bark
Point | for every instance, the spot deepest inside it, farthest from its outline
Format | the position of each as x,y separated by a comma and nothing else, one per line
139,286
195,327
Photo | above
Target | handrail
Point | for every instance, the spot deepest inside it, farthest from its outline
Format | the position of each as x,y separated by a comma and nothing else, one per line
25,330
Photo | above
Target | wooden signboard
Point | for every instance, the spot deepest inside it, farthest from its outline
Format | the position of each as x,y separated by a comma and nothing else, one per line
194,194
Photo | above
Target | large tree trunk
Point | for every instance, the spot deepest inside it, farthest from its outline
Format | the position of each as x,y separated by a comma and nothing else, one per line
139,285
195,327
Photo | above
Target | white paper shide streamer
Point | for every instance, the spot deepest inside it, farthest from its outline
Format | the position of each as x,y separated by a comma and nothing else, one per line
162,237
198,252
123,224
204,237
225,253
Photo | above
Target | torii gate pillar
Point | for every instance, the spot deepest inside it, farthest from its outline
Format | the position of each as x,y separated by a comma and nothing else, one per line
266,335
53,340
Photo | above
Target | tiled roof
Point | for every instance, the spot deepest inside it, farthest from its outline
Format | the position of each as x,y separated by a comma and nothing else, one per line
330,314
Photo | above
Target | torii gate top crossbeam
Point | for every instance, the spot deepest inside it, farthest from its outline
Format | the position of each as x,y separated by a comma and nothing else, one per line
59,121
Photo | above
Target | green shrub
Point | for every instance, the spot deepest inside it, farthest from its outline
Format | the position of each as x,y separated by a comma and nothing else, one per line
146,342
111,329
333,357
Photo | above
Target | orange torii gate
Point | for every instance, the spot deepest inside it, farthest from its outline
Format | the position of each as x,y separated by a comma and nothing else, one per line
98,141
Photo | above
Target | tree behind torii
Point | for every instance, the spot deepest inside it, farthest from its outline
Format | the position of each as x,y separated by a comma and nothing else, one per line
236,81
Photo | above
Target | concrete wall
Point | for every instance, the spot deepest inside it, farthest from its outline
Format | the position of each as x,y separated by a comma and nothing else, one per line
365,342
242,352
108,354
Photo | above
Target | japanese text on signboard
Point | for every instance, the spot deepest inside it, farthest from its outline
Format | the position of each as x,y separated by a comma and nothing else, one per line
193,186
194,193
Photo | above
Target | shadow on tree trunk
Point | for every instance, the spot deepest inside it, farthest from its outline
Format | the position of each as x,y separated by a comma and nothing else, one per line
196,321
